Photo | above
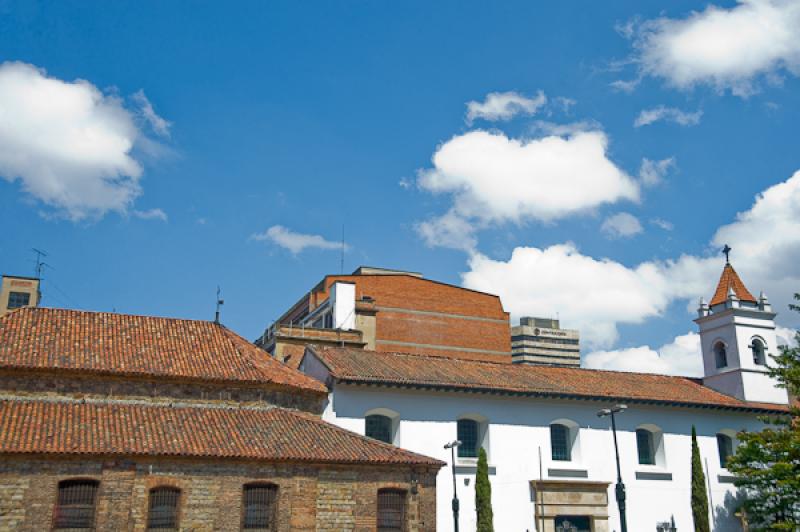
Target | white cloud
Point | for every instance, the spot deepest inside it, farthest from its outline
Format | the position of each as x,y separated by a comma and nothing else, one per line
159,125
565,103
668,114
295,242
151,214
786,336
504,106
595,295
69,145
653,172
680,357
448,230
666,225
621,225
724,48
590,294
496,179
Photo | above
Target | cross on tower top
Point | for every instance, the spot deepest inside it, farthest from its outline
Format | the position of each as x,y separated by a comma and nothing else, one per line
727,251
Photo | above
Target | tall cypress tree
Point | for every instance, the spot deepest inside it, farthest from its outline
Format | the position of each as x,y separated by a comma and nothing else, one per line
483,495
699,497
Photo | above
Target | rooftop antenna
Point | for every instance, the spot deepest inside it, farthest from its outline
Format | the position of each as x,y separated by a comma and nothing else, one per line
39,264
341,263
220,302
727,251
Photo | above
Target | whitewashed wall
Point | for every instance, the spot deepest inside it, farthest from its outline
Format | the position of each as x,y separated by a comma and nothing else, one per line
519,427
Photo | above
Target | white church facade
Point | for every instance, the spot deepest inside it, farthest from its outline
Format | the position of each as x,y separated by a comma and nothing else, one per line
551,458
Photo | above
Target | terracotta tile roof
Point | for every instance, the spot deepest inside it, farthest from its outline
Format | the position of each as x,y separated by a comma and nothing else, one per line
275,434
403,369
730,279
100,342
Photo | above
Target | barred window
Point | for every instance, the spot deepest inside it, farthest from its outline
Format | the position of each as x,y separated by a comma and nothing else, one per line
467,434
391,510
260,507
644,444
75,507
379,427
163,508
560,442
725,448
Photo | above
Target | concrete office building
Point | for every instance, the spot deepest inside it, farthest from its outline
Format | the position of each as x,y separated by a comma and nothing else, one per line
543,341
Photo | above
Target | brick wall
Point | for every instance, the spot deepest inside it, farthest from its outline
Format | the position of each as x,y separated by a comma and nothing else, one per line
311,497
456,321
75,384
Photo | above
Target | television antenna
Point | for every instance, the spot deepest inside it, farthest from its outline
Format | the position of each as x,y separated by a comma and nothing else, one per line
220,302
40,265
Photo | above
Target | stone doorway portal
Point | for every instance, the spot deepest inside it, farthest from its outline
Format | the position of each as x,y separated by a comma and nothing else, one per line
570,506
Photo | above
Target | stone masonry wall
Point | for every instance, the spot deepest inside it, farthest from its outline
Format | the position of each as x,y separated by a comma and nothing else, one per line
74,384
309,497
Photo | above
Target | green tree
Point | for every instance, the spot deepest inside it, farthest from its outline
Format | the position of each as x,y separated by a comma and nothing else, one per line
699,496
483,495
767,463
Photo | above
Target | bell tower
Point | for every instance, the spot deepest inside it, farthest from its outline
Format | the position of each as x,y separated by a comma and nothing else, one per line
737,335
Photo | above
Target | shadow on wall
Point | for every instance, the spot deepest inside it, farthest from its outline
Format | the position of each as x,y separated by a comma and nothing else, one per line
725,518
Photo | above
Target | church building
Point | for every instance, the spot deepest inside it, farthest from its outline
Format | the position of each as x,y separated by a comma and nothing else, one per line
551,457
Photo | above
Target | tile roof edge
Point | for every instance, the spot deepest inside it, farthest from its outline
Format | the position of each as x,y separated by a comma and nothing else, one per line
761,407
313,386
107,313
523,367
371,441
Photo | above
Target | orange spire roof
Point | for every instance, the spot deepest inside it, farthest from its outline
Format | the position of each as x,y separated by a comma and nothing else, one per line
730,279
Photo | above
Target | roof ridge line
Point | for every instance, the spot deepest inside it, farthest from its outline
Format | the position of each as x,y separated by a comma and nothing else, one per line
135,402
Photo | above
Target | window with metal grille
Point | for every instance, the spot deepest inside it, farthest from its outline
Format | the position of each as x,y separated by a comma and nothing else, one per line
560,442
75,507
163,508
379,427
725,448
391,510
260,507
18,299
644,444
468,436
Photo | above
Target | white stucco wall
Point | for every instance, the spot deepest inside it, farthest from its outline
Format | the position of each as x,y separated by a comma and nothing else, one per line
742,377
518,427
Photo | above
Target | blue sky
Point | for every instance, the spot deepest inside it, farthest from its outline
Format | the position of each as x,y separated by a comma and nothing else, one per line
210,123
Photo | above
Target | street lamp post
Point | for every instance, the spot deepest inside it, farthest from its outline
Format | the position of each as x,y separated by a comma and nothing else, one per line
452,446
620,492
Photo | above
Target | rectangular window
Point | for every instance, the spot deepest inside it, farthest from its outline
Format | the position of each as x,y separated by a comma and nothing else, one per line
725,448
379,427
260,507
75,508
468,436
559,442
163,509
644,443
18,299
391,510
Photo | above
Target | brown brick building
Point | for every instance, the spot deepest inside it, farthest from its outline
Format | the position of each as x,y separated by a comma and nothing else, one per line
117,422
388,310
